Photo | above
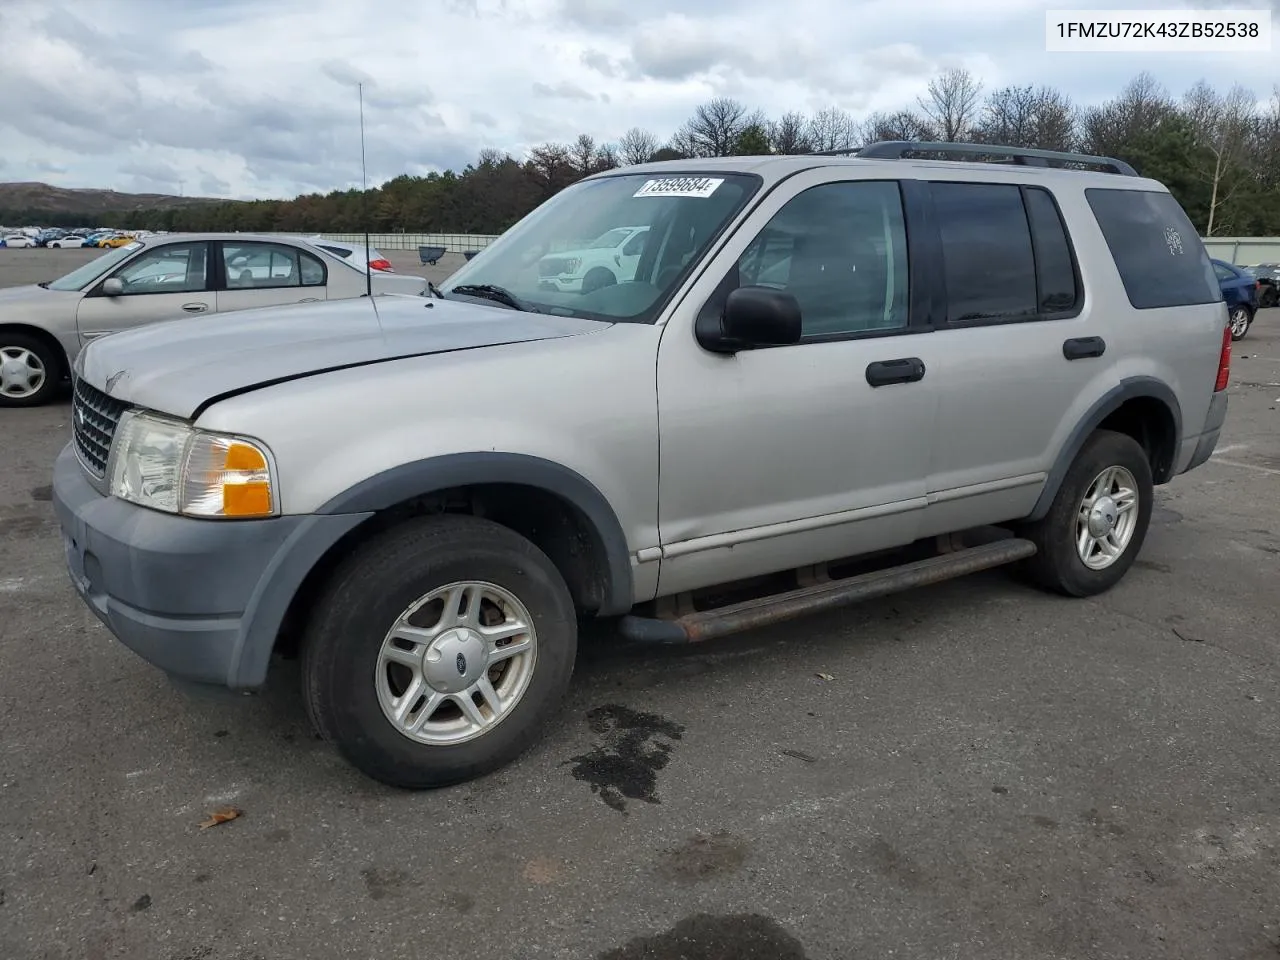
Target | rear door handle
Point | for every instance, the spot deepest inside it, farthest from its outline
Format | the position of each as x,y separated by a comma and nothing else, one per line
1081,347
195,307
903,370
309,300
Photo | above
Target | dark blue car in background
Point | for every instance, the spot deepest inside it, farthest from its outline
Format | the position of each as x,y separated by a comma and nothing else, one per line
1240,290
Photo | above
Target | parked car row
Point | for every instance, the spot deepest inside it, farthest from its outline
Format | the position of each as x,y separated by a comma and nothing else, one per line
44,326
56,237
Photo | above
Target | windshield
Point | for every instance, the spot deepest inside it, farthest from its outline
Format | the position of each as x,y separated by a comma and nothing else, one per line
548,263
81,277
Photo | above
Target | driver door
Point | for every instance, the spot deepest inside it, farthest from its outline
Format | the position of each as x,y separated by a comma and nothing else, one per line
161,283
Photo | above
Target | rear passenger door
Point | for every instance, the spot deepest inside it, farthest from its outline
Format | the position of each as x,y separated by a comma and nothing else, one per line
1018,347
258,274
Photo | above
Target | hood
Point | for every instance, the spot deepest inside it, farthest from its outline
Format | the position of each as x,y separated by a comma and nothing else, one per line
177,366
28,293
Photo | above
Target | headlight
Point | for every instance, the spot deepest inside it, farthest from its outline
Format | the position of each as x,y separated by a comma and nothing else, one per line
168,465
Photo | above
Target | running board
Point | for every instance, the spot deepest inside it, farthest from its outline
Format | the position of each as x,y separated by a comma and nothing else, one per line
750,614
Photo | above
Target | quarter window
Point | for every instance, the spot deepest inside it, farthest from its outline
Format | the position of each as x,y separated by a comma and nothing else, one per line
841,250
1056,290
258,266
1160,257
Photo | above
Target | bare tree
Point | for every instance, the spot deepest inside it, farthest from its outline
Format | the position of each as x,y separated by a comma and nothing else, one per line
637,146
1222,126
902,125
586,157
1027,117
952,104
832,129
713,130
1141,106
789,134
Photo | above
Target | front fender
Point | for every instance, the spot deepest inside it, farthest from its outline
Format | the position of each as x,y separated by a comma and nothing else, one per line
423,477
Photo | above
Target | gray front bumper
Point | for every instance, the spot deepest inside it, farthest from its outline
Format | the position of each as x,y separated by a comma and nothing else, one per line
201,599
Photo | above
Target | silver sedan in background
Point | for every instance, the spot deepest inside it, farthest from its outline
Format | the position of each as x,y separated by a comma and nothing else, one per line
43,326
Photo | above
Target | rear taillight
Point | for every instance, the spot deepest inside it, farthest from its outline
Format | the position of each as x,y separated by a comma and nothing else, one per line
384,265
1224,362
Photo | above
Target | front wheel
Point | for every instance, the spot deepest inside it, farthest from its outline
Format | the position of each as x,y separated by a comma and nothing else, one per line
1097,521
1241,319
439,651
29,371
598,278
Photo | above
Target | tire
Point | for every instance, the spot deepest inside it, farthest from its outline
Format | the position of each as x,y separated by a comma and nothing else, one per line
1241,321
598,278
21,350
1058,565
346,678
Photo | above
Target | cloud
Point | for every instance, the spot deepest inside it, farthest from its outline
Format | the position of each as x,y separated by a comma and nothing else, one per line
564,90
245,98
211,186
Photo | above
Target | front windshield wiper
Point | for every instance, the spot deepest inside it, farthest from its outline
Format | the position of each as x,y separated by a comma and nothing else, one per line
489,291
44,284
434,290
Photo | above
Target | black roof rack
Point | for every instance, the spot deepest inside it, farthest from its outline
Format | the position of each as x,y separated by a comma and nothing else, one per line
1024,156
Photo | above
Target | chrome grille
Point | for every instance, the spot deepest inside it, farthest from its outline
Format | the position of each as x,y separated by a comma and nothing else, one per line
553,266
94,418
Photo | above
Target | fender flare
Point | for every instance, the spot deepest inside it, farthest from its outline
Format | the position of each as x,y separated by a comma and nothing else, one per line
1130,388
423,477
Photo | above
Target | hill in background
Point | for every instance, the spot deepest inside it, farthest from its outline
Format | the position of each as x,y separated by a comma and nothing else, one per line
33,199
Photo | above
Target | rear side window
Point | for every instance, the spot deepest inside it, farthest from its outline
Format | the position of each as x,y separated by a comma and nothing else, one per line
988,263
1155,247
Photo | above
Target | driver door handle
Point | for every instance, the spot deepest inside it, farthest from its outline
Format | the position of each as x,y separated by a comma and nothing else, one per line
903,370
195,307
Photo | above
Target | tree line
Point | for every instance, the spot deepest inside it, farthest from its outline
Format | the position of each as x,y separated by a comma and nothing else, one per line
1217,152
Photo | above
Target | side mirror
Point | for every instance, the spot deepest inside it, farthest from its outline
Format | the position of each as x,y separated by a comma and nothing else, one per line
752,317
112,287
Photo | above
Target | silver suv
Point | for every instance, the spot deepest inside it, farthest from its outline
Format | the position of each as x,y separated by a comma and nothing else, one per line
826,379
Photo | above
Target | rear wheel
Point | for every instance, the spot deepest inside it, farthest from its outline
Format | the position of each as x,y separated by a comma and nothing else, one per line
1241,320
1097,522
29,370
439,651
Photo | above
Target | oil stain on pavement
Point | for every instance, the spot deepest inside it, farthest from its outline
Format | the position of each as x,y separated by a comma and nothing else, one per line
709,937
703,857
632,750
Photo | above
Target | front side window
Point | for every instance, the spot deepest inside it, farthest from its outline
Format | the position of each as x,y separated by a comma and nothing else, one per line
257,266
174,268
1160,257
841,250
82,276
552,261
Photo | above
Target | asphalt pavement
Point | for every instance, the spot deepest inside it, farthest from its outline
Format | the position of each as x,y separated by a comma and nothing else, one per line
974,770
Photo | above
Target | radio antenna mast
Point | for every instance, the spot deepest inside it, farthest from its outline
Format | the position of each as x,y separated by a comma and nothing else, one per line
364,193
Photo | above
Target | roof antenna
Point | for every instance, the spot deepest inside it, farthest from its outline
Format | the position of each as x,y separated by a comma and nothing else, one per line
364,190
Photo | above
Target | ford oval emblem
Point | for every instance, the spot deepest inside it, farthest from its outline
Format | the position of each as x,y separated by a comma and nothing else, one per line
462,665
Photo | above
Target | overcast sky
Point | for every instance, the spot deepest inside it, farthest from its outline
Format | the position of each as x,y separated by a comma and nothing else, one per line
257,98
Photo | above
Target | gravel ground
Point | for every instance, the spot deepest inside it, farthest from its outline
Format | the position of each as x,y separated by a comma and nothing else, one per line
990,772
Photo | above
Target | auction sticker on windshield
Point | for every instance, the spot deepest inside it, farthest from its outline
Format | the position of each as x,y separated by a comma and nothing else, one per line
680,187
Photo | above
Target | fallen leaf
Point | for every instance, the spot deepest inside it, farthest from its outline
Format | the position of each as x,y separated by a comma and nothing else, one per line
824,676
220,816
